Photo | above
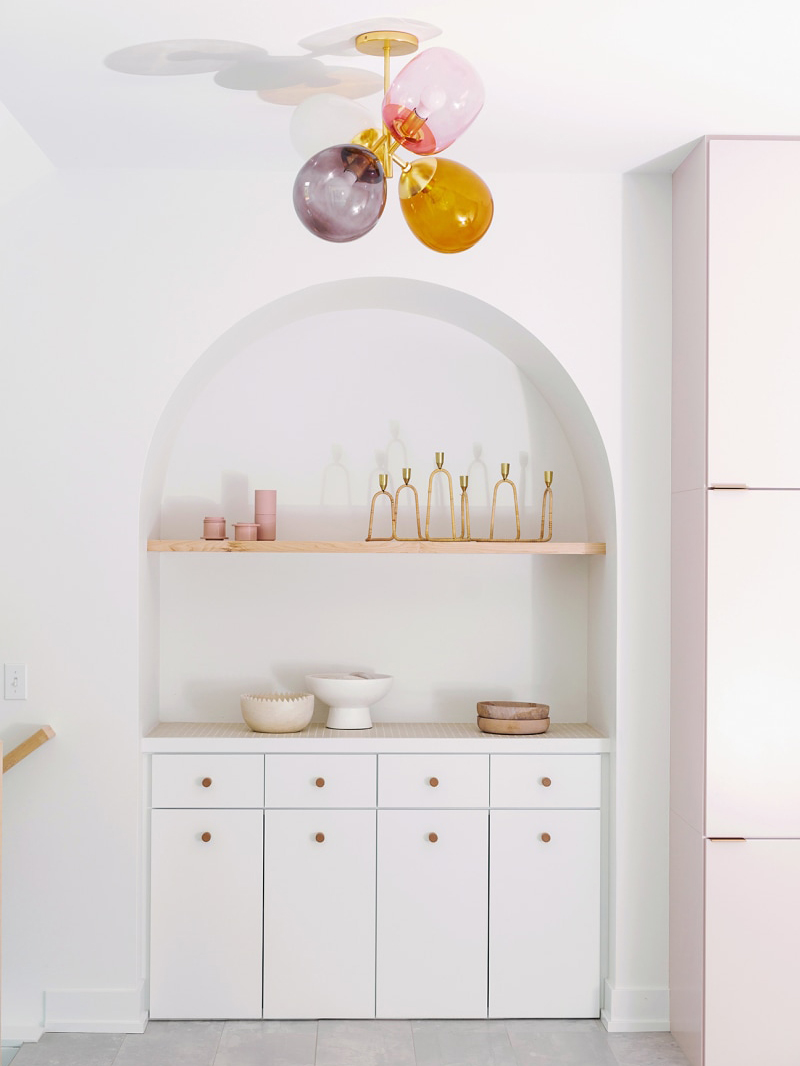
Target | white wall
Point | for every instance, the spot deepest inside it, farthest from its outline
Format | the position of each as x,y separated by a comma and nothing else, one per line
114,287
315,410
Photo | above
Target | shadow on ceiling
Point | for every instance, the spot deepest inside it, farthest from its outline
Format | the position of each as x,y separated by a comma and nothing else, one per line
287,80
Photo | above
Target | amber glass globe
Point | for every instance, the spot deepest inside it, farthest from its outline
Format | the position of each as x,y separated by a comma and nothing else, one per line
340,193
446,205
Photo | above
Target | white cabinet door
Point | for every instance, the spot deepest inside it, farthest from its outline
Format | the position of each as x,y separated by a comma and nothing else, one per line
544,914
319,914
753,679
432,914
205,923
754,313
752,952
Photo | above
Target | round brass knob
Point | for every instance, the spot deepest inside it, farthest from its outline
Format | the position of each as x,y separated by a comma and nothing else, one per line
320,782
434,782
205,837
546,782
545,837
206,782
319,837
433,837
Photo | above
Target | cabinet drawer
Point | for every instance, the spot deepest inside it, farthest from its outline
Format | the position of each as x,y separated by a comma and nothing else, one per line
319,781
433,781
208,781
545,780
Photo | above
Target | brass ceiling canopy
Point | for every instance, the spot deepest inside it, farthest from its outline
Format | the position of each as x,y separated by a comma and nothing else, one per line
381,42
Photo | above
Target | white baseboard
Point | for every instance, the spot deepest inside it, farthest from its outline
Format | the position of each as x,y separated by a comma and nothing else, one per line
95,1010
635,1010
14,1035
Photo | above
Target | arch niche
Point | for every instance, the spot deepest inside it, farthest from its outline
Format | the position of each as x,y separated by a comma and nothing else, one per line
453,308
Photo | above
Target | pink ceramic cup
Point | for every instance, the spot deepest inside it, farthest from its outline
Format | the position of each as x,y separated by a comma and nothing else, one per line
266,506
266,526
213,529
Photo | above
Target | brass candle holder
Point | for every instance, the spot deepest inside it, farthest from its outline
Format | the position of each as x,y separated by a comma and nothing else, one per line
504,480
440,470
464,482
407,485
547,507
383,481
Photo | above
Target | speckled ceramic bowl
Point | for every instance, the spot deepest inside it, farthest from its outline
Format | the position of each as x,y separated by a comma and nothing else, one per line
280,713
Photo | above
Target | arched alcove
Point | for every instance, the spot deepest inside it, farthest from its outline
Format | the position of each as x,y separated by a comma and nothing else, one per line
550,627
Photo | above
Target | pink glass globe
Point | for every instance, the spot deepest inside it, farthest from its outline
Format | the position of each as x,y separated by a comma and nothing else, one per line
432,101
340,193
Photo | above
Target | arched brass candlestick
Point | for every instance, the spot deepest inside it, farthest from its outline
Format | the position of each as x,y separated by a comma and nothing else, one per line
383,481
464,482
504,469
547,507
440,470
407,485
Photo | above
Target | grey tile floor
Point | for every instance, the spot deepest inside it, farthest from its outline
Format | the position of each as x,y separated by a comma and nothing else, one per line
357,1043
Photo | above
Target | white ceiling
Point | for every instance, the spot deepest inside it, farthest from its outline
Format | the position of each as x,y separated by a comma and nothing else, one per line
572,85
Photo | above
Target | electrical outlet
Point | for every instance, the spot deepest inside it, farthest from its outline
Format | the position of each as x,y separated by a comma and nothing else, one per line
16,681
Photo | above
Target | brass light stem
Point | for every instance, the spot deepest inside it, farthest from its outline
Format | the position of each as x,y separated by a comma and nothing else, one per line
387,55
386,157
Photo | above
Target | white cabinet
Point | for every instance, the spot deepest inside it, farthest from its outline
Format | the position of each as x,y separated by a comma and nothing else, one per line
205,921
544,917
319,913
432,907
370,875
735,738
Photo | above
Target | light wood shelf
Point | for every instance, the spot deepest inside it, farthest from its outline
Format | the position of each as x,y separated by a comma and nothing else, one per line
34,741
382,547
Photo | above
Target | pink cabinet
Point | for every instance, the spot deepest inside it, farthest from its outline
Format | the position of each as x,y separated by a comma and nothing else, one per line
735,737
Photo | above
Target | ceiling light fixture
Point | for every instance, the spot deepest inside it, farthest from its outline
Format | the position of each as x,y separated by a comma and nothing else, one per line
340,193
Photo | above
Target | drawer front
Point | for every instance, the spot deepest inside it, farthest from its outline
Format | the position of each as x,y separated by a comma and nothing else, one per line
208,781
433,781
545,781
319,781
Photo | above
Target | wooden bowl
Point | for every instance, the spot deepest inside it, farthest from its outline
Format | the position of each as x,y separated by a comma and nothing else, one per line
511,711
514,728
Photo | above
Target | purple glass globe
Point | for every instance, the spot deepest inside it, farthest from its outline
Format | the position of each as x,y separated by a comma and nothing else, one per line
340,193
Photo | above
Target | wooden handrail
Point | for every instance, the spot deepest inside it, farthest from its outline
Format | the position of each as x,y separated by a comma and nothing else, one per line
41,736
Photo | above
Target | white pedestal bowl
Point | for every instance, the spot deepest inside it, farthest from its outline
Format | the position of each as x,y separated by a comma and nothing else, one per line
349,697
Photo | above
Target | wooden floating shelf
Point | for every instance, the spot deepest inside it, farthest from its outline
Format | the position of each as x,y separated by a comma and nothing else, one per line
381,547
